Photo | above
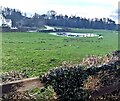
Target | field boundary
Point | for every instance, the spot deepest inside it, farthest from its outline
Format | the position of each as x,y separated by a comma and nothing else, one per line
31,83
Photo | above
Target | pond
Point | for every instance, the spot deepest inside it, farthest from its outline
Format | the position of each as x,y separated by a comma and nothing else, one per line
70,34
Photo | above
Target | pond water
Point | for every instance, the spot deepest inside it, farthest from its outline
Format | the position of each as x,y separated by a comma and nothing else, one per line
70,34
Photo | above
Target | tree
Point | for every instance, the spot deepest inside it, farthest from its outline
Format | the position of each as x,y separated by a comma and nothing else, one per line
51,14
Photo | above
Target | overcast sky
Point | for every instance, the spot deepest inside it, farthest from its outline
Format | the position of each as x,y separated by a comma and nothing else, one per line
82,8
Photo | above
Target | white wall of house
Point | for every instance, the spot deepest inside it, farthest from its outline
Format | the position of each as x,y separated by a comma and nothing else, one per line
7,22
1,20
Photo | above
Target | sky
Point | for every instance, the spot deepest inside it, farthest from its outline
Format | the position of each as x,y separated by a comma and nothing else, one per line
82,8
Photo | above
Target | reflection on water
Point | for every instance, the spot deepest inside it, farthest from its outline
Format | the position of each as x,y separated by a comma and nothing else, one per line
69,34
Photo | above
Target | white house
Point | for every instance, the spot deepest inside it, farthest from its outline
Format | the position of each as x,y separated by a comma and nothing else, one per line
49,28
6,22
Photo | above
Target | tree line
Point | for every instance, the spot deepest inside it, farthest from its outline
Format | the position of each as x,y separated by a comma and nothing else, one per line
51,18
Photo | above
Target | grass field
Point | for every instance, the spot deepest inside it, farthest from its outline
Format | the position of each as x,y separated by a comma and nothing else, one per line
42,51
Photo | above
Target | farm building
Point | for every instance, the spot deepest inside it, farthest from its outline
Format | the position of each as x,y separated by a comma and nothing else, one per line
5,22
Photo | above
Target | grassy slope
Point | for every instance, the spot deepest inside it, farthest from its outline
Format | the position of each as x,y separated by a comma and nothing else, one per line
41,51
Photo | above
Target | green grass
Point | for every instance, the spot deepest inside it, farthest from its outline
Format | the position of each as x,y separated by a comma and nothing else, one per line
41,51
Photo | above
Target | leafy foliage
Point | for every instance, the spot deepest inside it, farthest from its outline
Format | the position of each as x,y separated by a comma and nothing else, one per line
37,20
68,82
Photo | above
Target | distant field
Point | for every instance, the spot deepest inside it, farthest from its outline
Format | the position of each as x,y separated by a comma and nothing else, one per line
42,51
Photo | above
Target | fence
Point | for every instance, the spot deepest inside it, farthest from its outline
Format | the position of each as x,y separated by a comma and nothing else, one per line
30,83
